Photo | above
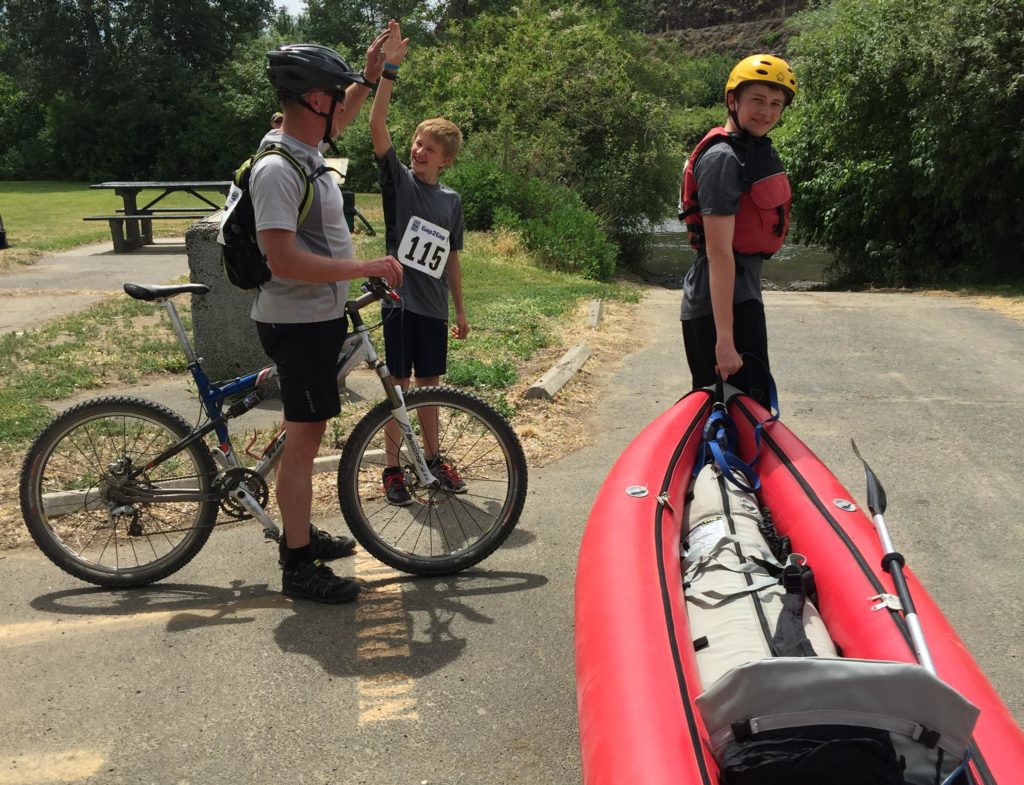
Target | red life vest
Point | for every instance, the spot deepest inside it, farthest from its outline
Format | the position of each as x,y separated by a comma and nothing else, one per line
763,217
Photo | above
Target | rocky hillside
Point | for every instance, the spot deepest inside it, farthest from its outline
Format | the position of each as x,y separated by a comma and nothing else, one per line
733,27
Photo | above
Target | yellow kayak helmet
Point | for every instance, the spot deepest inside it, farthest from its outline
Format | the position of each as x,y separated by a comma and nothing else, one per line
769,69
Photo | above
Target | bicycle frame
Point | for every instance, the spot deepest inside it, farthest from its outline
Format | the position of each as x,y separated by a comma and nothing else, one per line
356,348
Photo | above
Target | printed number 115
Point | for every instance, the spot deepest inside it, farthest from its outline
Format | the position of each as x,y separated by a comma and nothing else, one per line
435,260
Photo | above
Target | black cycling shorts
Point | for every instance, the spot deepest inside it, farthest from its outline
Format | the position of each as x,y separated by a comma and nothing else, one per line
307,358
414,343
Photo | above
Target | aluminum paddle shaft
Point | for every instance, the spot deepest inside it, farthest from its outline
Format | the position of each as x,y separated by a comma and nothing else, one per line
892,563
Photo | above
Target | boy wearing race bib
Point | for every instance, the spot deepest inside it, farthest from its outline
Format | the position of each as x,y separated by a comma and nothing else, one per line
424,227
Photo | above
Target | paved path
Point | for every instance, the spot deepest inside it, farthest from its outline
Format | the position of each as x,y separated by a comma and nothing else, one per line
930,388
213,677
73,280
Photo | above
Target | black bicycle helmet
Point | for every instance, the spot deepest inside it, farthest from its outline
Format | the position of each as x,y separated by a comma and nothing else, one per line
295,69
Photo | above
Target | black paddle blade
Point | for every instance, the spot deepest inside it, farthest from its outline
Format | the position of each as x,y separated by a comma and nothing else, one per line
876,493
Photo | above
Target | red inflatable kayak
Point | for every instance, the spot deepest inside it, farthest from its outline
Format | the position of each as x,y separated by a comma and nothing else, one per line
637,677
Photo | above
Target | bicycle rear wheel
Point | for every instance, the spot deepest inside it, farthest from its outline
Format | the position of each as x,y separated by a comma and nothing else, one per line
74,502
441,531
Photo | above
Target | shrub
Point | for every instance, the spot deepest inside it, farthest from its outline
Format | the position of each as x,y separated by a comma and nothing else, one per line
905,145
482,186
571,239
551,219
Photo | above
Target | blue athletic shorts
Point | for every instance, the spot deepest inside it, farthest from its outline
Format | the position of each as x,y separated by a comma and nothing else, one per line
414,343
307,359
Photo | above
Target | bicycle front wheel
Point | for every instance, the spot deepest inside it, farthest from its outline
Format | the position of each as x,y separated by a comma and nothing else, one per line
441,530
96,526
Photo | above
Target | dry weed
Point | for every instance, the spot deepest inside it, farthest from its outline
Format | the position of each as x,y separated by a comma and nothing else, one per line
548,429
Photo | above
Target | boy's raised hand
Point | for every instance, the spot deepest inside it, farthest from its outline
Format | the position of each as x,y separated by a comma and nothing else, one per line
395,47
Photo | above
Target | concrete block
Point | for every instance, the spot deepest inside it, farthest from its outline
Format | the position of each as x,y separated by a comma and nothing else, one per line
223,334
558,376
595,312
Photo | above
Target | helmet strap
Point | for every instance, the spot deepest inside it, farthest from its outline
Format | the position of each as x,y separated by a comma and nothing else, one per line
328,117
329,123
733,115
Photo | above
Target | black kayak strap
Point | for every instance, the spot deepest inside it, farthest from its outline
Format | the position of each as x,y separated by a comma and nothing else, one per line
790,640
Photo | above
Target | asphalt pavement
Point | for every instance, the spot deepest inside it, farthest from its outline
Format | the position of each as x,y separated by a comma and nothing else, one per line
213,677
70,281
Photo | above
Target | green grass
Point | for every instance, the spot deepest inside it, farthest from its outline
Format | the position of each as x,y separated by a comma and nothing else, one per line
119,341
47,216
513,306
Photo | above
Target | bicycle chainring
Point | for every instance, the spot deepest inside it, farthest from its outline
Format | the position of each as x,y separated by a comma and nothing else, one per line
230,479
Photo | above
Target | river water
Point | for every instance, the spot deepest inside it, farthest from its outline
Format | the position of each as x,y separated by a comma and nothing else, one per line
671,256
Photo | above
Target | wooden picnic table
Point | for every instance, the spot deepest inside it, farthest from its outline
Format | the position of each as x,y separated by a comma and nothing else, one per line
132,226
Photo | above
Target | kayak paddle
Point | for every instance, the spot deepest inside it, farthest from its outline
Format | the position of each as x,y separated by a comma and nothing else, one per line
893,562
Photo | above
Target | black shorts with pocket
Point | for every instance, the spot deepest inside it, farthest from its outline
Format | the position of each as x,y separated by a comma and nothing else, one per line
306,356
750,335
414,343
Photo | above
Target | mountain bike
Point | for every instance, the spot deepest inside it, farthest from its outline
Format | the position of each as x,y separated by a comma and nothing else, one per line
121,491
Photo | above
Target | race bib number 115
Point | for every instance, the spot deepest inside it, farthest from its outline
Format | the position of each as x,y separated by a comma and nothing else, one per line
424,247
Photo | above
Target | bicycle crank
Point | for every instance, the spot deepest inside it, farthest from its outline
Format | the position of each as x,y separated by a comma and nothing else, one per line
243,495
230,480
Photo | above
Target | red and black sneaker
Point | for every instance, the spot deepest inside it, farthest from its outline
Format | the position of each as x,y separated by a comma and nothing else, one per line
450,479
394,487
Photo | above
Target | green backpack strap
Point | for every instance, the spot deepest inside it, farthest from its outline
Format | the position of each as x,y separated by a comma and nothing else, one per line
245,172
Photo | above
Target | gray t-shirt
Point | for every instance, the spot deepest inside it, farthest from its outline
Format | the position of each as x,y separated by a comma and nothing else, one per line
405,199
719,175
277,190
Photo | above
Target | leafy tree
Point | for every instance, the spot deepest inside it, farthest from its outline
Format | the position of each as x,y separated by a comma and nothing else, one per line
559,93
906,147
112,88
354,23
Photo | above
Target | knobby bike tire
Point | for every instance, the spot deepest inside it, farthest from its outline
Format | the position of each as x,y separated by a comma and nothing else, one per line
66,482
440,531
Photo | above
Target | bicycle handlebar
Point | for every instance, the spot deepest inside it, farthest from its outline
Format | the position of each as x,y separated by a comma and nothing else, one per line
380,289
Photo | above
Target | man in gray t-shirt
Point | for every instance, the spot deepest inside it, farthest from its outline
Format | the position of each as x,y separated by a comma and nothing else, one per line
299,312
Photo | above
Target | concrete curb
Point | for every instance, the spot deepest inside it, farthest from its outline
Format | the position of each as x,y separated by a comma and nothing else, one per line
326,463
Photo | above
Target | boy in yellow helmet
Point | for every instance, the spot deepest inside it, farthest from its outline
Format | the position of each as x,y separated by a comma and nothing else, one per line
735,201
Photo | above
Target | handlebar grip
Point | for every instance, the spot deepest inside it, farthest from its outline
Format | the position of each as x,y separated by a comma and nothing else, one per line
376,282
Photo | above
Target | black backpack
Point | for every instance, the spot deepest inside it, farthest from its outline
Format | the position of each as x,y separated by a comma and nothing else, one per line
244,264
